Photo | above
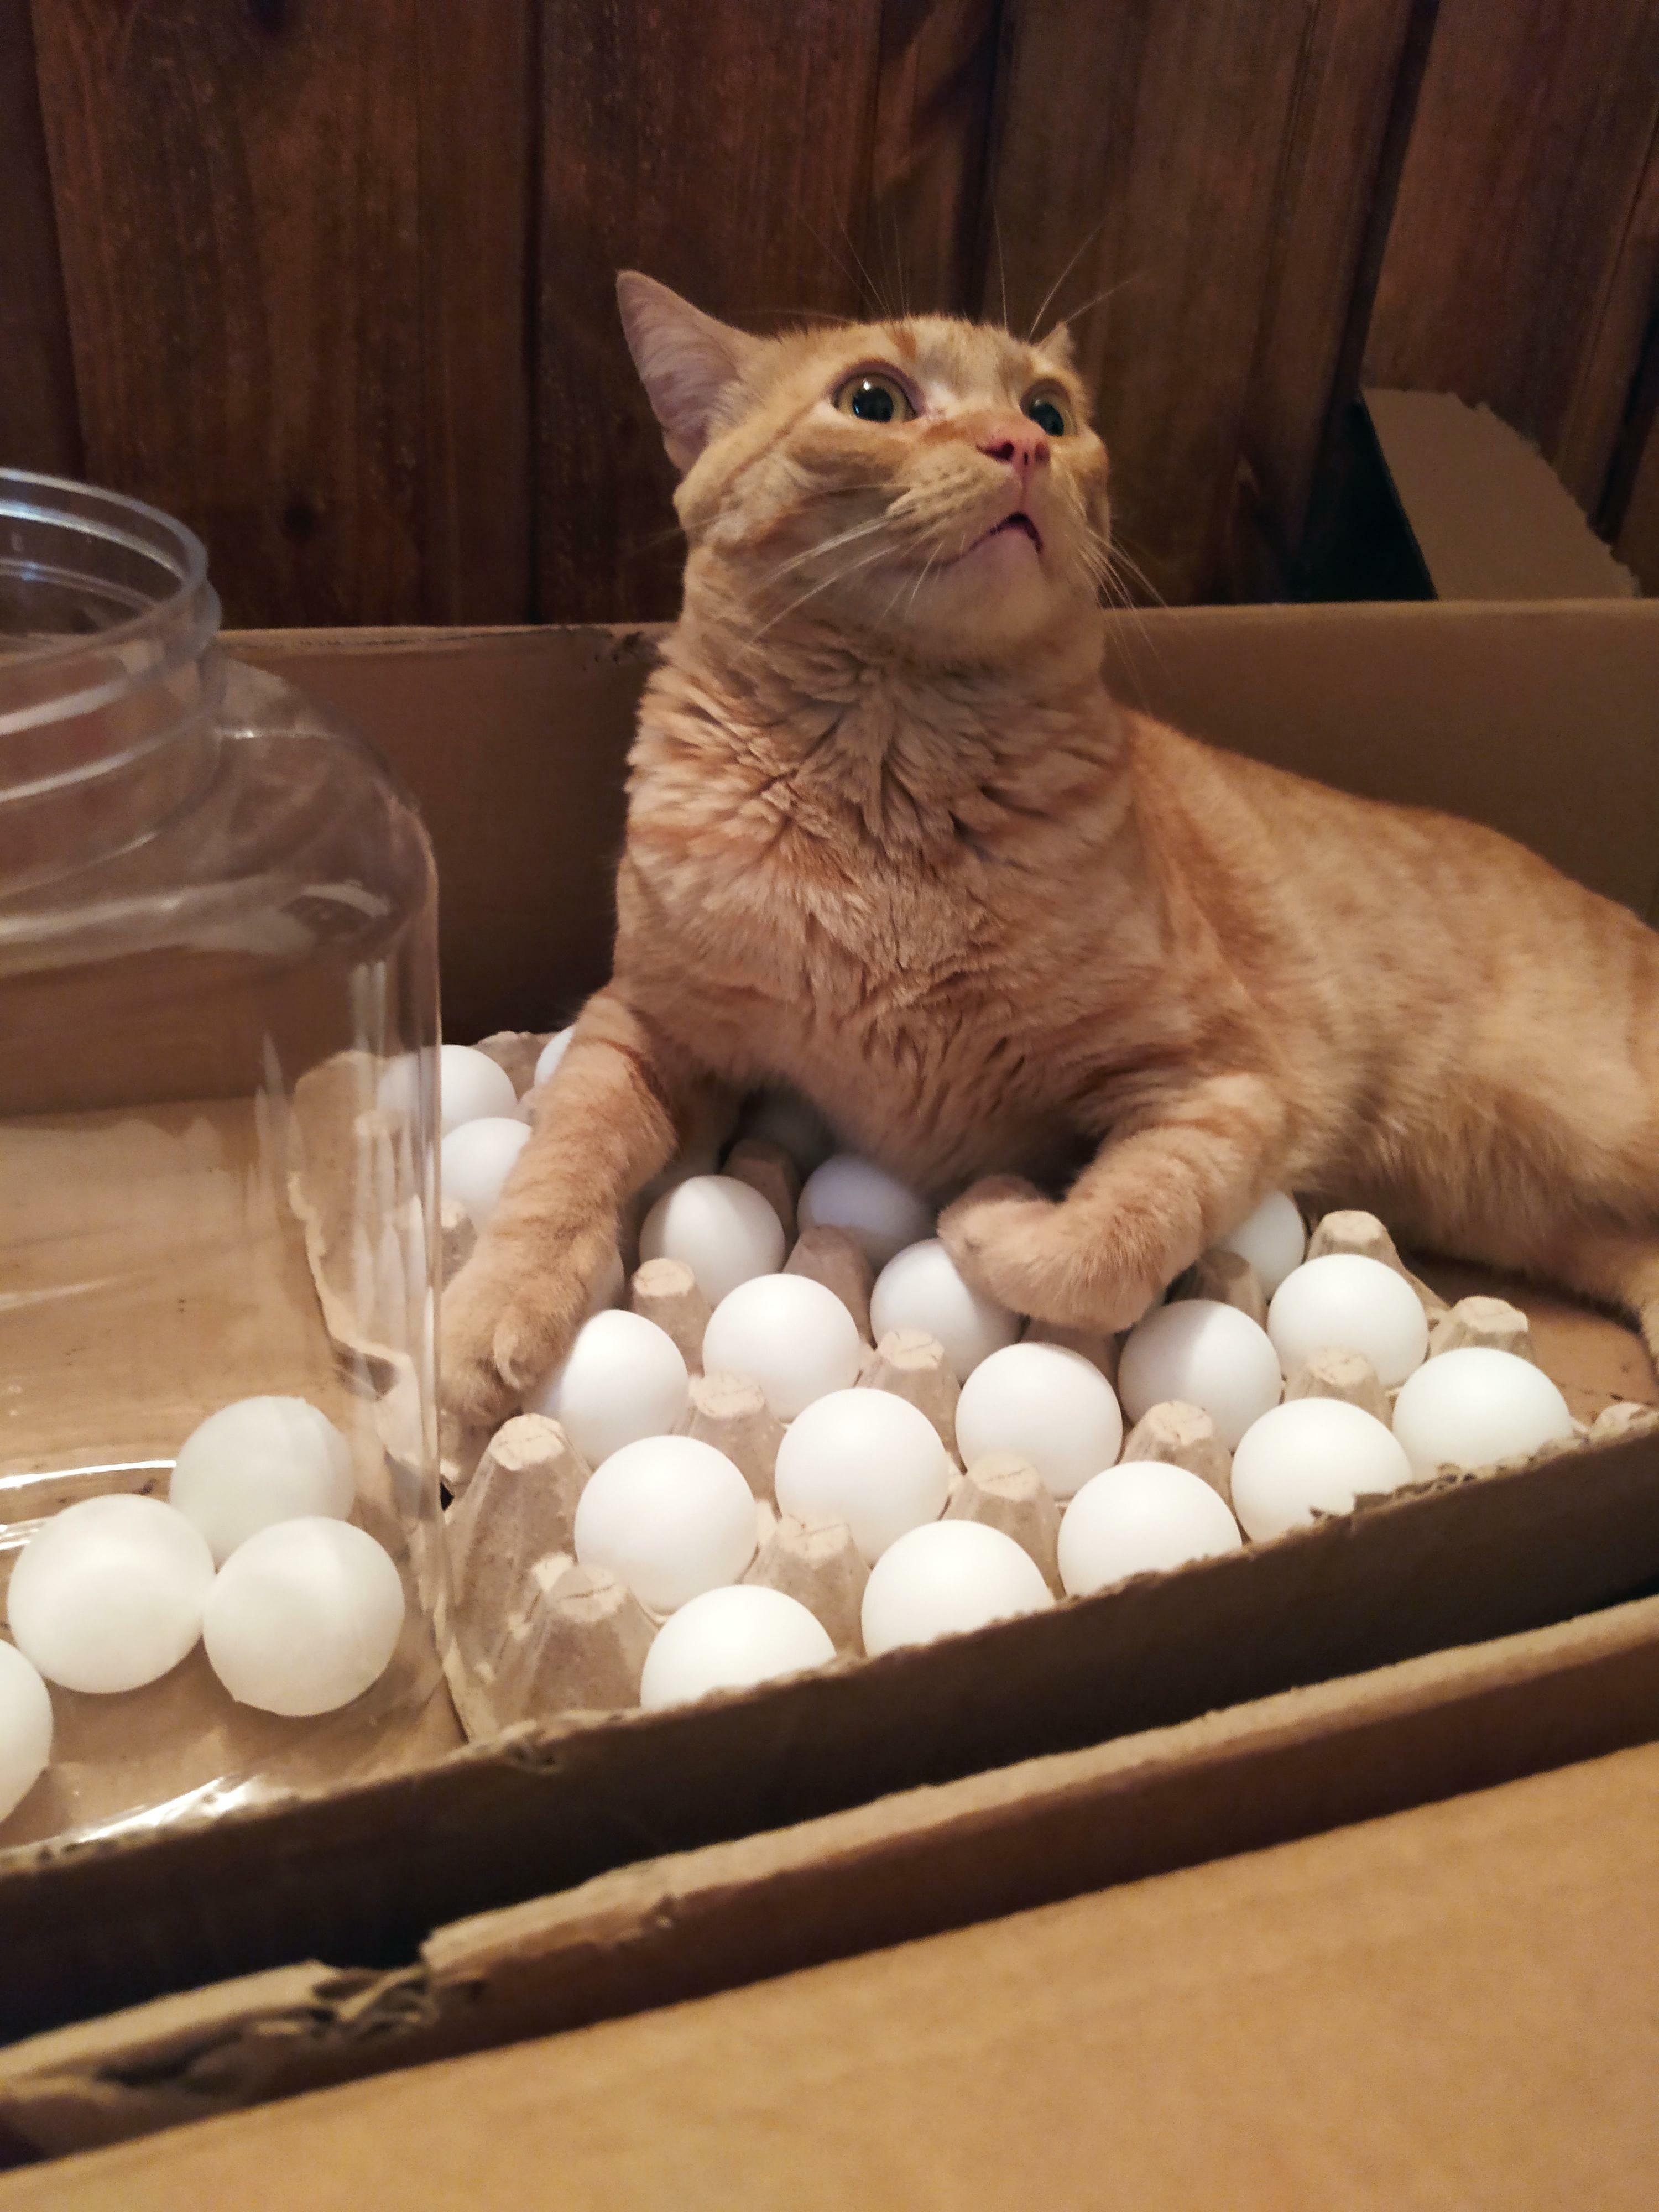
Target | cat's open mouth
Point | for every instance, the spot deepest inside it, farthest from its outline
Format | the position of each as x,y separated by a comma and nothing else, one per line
1018,522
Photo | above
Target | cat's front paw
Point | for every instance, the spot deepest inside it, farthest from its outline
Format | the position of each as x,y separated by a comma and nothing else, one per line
1039,1258
997,1232
507,1319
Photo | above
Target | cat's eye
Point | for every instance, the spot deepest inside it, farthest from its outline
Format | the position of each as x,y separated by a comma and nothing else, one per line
871,397
1048,411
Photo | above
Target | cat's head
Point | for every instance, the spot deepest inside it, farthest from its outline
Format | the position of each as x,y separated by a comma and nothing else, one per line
929,480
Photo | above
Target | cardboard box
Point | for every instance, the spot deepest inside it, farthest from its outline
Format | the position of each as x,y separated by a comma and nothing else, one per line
1467,708
1490,518
1450,2007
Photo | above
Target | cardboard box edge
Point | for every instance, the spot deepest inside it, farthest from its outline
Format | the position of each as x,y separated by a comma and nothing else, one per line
675,1927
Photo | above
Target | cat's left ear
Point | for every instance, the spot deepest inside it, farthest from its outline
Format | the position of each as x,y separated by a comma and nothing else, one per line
687,360
1058,348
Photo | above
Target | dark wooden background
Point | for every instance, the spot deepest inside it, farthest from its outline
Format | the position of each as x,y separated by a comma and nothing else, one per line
332,279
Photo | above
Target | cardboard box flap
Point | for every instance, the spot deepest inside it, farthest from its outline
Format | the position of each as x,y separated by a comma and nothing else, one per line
1451,2007
911,1865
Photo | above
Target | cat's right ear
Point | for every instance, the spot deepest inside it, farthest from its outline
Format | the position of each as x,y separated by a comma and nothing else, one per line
687,360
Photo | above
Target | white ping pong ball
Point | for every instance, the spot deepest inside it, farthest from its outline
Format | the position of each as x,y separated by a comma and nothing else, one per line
1346,1302
873,1207
921,1288
671,1517
304,1617
868,1458
475,1160
724,1230
1472,1408
731,1640
1141,1517
788,1334
108,1594
548,1059
470,1087
1272,1239
1312,1455
1046,1405
944,1579
1199,1353
24,1728
622,1379
256,1461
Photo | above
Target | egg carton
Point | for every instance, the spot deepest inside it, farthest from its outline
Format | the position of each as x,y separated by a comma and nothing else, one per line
545,1638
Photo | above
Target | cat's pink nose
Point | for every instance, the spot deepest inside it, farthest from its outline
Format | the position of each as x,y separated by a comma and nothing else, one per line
1018,443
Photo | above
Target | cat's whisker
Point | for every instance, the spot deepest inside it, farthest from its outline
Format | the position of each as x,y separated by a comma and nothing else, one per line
826,245
927,569
873,292
828,545
1002,266
1134,276
823,495
1123,559
840,576
1042,305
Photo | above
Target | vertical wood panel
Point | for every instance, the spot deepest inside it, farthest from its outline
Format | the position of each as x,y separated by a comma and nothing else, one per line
40,426
724,149
477,121
1636,543
1157,126
1340,116
933,103
1610,365
236,190
1517,271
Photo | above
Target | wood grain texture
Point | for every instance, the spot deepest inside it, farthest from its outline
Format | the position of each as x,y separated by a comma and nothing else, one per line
1340,118
1520,263
1638,542
724,149
236,191
1146,140
925,224
39,423
477,121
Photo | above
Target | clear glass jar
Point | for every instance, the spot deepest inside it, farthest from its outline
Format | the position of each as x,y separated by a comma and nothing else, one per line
218,1016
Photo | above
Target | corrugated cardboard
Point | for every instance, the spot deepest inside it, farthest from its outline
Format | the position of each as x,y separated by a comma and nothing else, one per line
1491,518
1450,2007
910,1865
1540,719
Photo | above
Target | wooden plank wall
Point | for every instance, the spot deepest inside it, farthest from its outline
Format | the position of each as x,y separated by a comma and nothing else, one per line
331,278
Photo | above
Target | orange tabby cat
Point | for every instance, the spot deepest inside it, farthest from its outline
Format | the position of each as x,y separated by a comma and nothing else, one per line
891,842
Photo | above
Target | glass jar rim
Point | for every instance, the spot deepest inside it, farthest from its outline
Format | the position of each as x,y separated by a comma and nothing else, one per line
133,526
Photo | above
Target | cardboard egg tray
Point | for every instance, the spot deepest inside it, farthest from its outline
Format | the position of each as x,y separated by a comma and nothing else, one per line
537,1637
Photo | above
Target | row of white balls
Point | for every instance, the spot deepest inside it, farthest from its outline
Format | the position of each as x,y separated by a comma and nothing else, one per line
624,1378
870,1460
675,1520
298,1612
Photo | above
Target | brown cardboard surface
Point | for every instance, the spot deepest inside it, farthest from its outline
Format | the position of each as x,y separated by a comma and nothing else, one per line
1491,519
910,1865
1449,2007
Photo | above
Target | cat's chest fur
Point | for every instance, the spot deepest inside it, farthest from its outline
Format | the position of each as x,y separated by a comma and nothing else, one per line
907,922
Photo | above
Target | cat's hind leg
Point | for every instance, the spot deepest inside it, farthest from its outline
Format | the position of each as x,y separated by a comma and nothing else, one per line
1157,1195
1618,1266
